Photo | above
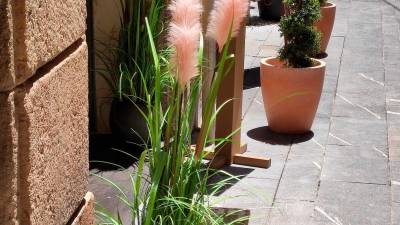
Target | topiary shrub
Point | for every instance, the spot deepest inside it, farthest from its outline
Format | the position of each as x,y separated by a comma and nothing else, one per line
322,2
302,40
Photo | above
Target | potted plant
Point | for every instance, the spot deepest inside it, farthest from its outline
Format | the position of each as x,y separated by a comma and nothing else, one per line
325,23
270,9
292,82
177,190
128,69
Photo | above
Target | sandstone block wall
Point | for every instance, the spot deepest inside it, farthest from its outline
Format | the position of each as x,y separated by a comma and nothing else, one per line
8,160
39,31
85,215
43,111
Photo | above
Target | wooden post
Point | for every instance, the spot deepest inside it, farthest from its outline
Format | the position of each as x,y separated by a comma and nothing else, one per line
229,118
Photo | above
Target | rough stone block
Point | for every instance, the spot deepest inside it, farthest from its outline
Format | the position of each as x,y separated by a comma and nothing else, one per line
8,161
52,115
85,215
6,45
42,30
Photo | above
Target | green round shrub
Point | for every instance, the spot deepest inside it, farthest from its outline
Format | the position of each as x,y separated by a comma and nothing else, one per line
302,40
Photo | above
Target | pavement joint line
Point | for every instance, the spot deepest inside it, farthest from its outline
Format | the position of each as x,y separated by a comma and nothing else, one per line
293,200
391,4
251,103
382,153
317,165
371,79
393,113
360,146
280,178
357,182
258,102
360,106
340,139
336,221
317,143
331,110
394,182
394,100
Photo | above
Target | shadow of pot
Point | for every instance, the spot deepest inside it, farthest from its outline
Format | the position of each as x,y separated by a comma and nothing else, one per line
128,123
291,95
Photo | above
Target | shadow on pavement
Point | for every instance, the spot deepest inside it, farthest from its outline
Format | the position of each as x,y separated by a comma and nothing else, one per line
266,135
237,173
251,78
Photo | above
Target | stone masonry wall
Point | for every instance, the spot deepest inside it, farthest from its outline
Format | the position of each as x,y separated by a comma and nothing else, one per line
43,112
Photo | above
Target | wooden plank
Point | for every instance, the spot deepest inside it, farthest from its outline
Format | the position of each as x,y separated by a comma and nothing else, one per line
252,161
243,148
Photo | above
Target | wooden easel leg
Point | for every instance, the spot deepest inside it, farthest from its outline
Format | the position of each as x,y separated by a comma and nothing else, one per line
229,118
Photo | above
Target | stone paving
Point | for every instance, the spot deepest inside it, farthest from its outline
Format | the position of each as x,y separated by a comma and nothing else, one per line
347,171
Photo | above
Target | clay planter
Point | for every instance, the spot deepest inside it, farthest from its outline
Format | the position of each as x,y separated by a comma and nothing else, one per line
325,24
291,95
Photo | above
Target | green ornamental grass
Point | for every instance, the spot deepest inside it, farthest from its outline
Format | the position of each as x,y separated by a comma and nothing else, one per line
178,191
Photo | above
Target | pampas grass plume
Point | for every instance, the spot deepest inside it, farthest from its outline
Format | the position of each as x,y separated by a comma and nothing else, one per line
184,36
185,12
226,13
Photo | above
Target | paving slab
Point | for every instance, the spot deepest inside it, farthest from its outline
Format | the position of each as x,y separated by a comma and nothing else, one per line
355,164
248,97
354,105
330,84
358,132
363,82
395,188
343,8
325,105
334,51
395,213
394,141
292,213
355,203
320,129
300,178
395,170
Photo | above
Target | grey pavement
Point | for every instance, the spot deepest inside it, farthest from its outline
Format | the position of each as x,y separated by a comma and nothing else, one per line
347,170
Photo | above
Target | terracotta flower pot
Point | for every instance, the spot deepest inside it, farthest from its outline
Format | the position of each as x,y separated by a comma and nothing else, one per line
291,95
325,24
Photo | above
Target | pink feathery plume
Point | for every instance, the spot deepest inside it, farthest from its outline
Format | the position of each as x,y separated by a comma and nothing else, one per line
184,36
185,12
226,13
